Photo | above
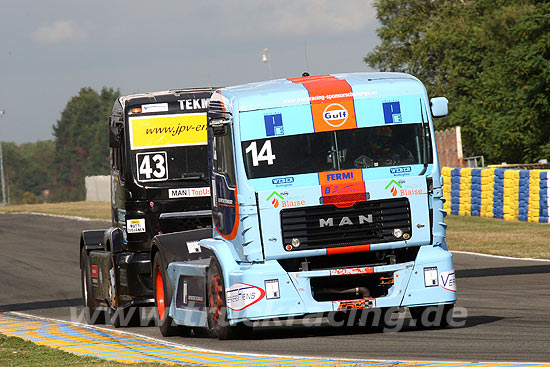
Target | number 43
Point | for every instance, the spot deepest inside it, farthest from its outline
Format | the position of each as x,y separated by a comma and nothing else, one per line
265,153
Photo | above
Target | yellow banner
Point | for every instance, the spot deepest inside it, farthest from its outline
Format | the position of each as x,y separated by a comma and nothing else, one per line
167,131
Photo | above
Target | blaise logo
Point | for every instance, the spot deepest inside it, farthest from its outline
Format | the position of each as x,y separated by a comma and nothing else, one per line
275,201
394,189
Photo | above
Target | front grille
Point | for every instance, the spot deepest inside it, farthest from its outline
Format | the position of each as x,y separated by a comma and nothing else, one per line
326,226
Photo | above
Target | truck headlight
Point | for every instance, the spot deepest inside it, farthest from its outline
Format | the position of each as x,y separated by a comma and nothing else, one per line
397,233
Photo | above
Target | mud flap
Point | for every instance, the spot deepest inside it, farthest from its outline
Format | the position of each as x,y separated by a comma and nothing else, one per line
188,306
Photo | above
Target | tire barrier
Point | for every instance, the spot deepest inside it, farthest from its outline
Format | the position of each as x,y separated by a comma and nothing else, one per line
510,194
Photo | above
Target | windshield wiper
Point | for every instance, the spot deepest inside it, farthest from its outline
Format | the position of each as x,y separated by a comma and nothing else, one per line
423,132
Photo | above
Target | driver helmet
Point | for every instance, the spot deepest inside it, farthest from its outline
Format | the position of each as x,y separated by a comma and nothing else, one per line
381,139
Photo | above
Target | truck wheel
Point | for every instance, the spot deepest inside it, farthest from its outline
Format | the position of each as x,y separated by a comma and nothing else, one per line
163,297
218,323
92,313
123,317
432,317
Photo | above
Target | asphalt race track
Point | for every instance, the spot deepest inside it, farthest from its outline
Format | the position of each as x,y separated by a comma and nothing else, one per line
507,303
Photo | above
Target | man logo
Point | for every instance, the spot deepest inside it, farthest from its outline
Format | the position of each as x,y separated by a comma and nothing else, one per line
335,115
329,222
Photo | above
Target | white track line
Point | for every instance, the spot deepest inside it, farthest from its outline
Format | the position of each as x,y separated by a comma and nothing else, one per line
83,219
500,257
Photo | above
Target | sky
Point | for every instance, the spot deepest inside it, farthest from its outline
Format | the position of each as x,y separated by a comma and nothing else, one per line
51,49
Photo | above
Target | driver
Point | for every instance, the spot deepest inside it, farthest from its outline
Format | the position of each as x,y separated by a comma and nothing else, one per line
383,151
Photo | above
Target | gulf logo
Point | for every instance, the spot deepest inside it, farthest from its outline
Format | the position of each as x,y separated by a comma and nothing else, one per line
335,115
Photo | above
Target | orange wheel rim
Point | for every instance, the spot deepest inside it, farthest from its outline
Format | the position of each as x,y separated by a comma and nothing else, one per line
160,294
216,300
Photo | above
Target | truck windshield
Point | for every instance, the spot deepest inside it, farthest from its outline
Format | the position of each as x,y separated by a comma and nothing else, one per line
368,147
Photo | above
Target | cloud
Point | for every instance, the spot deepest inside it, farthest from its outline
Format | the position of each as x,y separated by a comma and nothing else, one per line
60,31
290,18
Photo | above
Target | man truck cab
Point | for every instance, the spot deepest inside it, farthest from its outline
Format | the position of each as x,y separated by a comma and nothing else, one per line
303,223
159,184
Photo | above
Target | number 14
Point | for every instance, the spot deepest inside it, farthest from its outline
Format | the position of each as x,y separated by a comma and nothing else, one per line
265,153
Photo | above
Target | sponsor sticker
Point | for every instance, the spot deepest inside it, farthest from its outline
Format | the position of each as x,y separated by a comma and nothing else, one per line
94,270
447,280
283,181
278,199
430,277
275,199
401,171
392,112
167,131
401,188
352,271
135,225
335,115
193,247
274,125
241,295
193,104
354,304
353,175
189,192
272,289
154,107
342,188
224,201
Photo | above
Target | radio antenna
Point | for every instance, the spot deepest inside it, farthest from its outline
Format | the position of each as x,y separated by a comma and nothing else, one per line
305,54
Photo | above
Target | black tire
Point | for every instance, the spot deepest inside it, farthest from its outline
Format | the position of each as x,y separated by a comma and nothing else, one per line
93,314
120,317
432,317
218,324
124,317
163,292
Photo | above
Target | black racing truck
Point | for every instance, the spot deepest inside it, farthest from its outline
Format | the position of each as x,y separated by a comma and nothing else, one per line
159,184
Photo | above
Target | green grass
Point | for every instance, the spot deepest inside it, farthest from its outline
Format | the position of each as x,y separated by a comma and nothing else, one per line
18,352
498,237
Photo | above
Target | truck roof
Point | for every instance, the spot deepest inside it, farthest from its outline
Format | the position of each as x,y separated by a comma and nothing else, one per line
293,92
160,96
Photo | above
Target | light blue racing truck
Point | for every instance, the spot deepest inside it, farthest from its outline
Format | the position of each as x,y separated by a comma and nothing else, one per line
326,198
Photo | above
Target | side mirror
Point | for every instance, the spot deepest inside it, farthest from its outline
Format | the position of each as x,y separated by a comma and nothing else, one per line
440,106
113,239
114,137
116,240
219,127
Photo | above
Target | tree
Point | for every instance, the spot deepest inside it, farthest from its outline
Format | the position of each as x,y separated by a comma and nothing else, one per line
490,58
28,170
81,147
